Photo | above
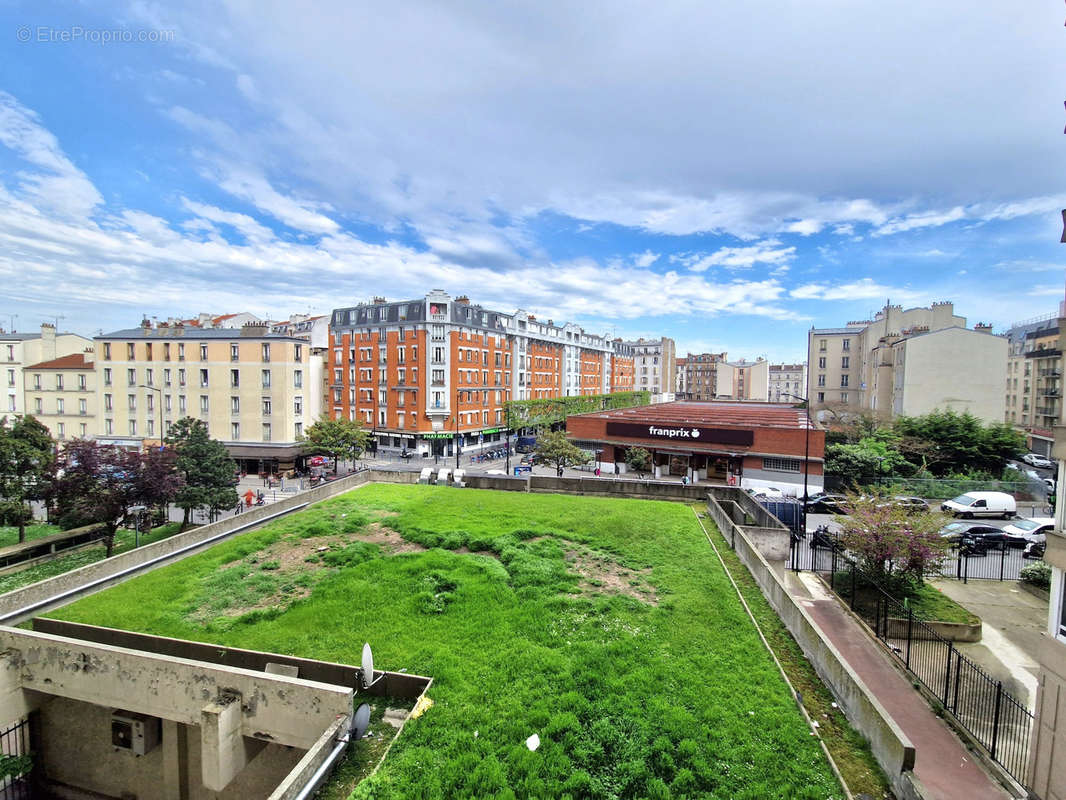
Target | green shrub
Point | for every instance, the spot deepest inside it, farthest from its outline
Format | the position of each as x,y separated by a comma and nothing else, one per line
1037,574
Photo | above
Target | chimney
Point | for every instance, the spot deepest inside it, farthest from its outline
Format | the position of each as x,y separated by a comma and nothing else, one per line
48,341
983,327
379,301
253,329
463,299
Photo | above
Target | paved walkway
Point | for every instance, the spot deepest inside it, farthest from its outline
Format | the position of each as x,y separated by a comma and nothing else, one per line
943,765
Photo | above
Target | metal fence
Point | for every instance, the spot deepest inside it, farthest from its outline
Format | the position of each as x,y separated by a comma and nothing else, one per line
16,762
977,701
1002,564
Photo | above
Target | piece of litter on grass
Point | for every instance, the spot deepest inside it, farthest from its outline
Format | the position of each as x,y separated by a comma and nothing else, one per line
533,742
834,705
814,722
475,734
751,713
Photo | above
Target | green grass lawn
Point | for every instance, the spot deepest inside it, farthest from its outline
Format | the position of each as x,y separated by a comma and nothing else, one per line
9,534
605,626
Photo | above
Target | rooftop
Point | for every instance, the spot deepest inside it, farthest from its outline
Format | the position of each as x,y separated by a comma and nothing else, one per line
194,333
711,413
76,361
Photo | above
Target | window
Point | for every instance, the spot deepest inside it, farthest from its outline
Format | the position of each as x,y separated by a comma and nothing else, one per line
131,377
148,376
131,400
166,351
181,377
845,362
82,407
203,378
148,351
843,397
234,352
107,351
266,431
298,378
297,405
821,380
235,405
166,377
846,344
298,351
843,380
83,430
59,382
182,405
167,404
821,397
130,352
266,379
107,376
203,352
38,405
204,406
299,429
382,421
151,402
234,378
109,427
133,427
61,430
821,363
821,345
266,352
181,351
235,430
150,427
107,402
37,382
11,352
266,406
81,383
60,405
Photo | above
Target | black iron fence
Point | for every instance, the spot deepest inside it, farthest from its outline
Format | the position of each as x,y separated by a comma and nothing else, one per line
977,701
16,762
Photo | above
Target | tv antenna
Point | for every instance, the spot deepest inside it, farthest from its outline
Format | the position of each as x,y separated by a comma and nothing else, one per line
57,317
12,317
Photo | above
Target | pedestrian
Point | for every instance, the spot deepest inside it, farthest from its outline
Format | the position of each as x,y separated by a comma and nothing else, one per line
597,472
249,497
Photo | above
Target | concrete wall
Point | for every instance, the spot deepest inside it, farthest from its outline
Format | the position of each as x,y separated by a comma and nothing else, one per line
607,487
890,746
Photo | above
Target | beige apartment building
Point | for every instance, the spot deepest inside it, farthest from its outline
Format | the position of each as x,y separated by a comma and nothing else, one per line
1033,393
655,367
906,362
257,392
61,394
743,380
786,382
697,376
19,349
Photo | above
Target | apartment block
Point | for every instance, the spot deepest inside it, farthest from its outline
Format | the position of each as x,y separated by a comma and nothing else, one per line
428,373
655,367
61,394
20,349
256,391
786,382
1033,395
696,376
906,362
743,380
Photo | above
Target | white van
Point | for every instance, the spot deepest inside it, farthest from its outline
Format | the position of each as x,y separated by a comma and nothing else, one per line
981,504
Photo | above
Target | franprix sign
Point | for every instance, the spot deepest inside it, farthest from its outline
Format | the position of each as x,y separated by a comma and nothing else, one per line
682,433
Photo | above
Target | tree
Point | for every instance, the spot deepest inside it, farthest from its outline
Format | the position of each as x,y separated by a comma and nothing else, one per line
554,448
160,479
895,547
27,465
638,459
101,483
872,456
946,442
206,467
339,438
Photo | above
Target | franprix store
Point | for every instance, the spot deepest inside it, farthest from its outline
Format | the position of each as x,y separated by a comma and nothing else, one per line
749,445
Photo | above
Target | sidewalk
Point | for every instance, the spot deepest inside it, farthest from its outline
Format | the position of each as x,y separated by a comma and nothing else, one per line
942,763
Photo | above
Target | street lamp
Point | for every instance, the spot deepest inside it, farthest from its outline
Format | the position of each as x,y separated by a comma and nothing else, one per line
806,453
159,392
507,423
457,425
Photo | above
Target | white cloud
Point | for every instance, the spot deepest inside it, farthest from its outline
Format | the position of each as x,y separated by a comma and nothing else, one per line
301,215
645,259
770,251
61,187
925,219
863,289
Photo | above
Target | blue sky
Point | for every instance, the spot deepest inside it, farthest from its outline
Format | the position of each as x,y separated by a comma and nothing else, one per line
725,174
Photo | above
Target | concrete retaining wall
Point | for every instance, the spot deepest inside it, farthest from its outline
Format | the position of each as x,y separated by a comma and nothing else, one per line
610,487
890,746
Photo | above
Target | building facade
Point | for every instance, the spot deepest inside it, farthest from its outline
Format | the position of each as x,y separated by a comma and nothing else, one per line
743,380
429,374
20,349
655,367
255,391
787,382
1033,392
697,376
863,366
61,394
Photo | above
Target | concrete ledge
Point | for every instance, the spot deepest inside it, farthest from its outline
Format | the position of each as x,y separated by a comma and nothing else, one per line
1036,591
313,759
891,747
952,631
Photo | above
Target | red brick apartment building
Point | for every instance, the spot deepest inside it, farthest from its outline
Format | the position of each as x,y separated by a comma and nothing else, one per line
423,374
747,444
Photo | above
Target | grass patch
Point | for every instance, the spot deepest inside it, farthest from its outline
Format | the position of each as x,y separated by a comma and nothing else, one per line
630,699
930,603
849,749
9,534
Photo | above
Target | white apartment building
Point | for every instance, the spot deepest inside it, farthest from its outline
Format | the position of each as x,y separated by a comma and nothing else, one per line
787,382
655,367
18,350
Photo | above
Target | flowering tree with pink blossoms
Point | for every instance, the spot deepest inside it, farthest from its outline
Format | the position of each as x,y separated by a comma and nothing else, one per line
894,545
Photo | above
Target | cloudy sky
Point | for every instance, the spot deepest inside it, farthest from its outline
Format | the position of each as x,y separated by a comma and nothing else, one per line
724,173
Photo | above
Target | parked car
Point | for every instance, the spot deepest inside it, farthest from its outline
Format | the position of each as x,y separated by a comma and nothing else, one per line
978,544
1037,460
956,531
1034,550
981,504
1032,529
913,505
826,504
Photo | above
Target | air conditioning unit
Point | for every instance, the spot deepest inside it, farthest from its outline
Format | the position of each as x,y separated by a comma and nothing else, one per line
137,733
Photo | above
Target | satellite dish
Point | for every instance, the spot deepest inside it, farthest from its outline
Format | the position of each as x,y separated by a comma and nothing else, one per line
368,666
360,721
